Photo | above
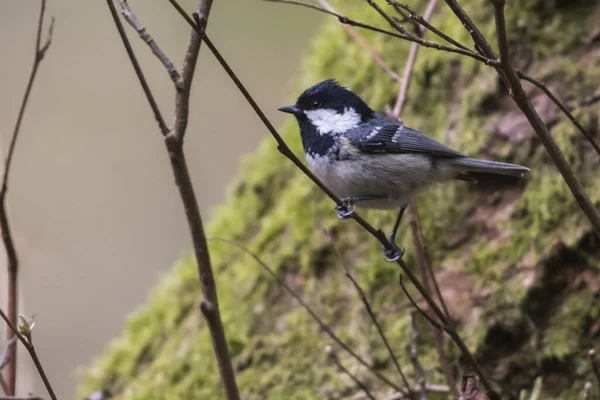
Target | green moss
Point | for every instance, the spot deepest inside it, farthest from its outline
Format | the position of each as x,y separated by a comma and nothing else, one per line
165,351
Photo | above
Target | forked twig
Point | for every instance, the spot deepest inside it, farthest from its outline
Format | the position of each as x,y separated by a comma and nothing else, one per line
365,301
174,143
149,40
376,233
311,312
7,239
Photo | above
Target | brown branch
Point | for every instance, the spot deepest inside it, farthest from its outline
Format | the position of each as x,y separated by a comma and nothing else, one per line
28,343
561,106
402,35
314,315
511,79
333,357
520,97
11,252
435,324
174,143
413,354
138,70
365,301
421,20
149,40
376,233
363,43
410,63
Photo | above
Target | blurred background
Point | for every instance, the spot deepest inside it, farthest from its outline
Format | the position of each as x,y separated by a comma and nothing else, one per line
94,211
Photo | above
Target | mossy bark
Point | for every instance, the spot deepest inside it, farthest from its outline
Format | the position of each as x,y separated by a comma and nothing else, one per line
519,268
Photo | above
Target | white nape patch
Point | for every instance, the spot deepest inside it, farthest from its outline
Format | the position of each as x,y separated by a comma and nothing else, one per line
373,133
327,120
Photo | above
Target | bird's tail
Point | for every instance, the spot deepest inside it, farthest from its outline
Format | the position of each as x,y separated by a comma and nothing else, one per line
483,171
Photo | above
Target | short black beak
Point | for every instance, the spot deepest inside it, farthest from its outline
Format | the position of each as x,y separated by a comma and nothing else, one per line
290,110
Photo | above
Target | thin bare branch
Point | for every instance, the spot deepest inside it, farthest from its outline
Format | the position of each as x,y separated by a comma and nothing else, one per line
28,343
420,310
413,354
522,100
138,70
11,252
333,357
402,35
376,233
363,43
313,314
365,301
412,15
421,20
174,143
149,40
410,63
561,106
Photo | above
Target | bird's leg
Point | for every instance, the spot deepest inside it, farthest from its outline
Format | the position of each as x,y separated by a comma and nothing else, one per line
395,253
346,209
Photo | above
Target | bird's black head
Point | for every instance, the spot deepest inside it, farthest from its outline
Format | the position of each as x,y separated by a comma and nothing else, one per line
329,108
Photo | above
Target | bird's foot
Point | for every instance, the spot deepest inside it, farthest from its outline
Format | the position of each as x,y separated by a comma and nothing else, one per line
393,254
346,209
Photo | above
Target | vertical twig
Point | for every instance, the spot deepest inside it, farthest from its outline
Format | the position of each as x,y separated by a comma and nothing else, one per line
422,255
11,253
413,354
363,43
174,142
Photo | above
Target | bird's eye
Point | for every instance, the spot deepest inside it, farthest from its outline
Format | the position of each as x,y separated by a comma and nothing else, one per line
315,104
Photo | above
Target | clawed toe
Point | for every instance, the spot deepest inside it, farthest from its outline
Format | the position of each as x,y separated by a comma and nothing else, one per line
345,210
393,254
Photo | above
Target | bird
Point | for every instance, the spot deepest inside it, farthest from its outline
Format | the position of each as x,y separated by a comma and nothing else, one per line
373,161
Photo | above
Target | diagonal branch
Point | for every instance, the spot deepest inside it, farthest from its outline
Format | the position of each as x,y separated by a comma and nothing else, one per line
312,313
28,343
174,144
376,233
402,35
363,298
11,253
520,97
138,70
149,40
363,43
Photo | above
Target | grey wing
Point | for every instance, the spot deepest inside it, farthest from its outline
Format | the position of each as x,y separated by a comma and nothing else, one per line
397,138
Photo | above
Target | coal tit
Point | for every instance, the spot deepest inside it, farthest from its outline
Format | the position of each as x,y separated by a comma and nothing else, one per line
371,160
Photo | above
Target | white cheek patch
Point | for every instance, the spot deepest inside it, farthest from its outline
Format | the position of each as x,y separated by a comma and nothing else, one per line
327,120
